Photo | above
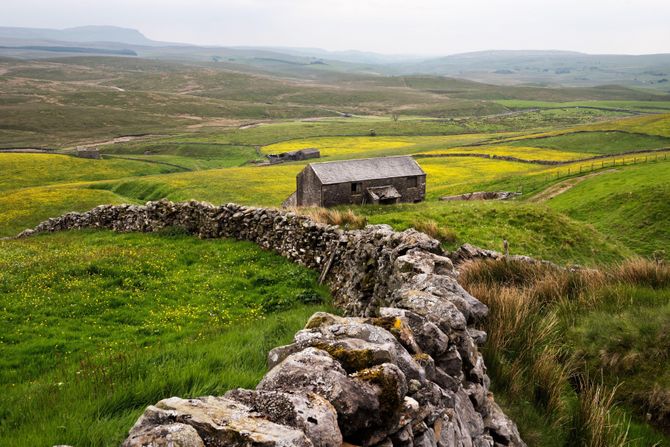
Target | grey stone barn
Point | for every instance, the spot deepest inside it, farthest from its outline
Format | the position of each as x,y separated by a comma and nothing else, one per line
383,180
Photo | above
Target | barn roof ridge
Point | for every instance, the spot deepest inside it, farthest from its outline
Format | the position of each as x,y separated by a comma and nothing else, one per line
358,169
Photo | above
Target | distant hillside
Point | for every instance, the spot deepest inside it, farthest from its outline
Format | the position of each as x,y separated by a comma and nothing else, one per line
80,34
351,56
548,68
523,67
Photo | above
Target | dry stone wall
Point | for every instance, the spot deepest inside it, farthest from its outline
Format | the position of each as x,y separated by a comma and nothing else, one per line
402,368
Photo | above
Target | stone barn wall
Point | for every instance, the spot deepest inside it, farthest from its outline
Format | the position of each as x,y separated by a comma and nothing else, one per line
308,188
401,369
340,193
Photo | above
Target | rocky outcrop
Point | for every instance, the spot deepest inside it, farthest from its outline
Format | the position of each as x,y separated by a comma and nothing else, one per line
401,368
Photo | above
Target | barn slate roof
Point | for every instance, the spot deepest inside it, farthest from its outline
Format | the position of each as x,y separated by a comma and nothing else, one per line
344,171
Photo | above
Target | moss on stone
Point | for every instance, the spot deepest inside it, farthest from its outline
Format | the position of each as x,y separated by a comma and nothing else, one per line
390,399
423,359
352,360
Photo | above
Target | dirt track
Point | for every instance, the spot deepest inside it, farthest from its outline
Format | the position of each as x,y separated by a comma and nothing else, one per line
560,188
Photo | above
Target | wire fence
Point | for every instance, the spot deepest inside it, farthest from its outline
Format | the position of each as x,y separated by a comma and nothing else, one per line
532,184
598,165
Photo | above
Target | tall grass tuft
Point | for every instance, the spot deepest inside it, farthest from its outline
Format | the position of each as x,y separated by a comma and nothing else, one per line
434,230
506,272
643,272
520,346
593,423
345,219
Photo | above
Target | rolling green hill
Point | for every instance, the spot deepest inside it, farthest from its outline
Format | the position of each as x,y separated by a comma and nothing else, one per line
630,205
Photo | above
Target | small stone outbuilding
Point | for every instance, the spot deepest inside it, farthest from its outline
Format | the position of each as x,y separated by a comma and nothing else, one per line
301,154
88,152
385,180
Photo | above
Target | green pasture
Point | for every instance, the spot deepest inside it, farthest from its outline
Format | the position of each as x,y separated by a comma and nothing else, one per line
95,326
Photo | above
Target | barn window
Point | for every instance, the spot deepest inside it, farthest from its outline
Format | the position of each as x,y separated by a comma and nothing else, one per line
412,182
356,188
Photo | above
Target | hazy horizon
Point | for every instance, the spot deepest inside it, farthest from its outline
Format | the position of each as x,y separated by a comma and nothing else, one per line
394,27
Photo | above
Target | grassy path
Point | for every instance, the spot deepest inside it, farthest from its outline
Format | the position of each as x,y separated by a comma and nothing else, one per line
561,187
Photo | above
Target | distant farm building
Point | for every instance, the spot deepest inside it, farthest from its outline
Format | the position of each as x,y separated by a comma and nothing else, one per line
385,180
88,152
302,154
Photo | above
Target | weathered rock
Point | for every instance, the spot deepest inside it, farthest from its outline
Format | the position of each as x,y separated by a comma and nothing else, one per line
418,261
441,312
169,435
451,362
427,335
354,344
309,412
479,337
425,439
447,288
501,428
466,416
366,402
216,420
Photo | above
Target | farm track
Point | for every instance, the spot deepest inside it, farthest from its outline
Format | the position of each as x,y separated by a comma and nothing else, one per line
565,185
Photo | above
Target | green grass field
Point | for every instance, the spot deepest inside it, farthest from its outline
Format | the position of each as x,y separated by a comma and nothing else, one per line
25,208
604,142
95,326
629,205
530,229
518,151
26,170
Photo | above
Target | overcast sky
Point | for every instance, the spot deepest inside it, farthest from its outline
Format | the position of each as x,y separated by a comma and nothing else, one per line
388,26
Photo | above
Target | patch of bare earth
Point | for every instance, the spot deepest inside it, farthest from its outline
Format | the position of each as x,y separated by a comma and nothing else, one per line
216,122
122,139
